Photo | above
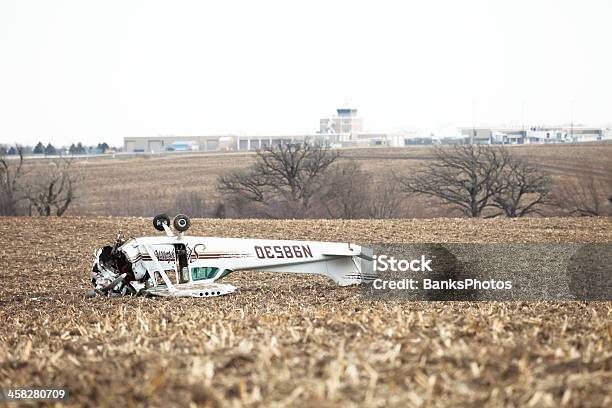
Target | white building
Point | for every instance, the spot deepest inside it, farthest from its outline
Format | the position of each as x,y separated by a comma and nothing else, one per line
534,134
346,121
345,129
152,144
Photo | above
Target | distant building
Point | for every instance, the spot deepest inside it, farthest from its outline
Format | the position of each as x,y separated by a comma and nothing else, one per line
345,121
152,144
157,144
345,129
418,140
535,134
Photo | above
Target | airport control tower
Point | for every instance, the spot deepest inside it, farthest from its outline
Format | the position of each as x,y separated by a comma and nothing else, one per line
345,122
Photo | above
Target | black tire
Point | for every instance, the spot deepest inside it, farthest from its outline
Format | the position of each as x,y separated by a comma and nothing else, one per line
160,220
182,223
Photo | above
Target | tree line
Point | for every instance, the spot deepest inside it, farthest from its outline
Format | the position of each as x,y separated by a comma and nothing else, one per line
308,181
50,150
45,190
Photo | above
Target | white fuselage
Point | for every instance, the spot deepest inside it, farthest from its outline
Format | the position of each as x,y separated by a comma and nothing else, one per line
187,260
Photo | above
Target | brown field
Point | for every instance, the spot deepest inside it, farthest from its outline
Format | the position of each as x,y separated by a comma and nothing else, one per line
148,185
284,340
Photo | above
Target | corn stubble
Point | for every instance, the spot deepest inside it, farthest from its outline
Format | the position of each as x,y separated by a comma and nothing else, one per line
282,340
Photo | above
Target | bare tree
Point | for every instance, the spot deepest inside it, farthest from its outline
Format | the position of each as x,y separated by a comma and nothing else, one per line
464,176
585,197
283,180
387,200
352,193
345,194
523,189
11,189
53,190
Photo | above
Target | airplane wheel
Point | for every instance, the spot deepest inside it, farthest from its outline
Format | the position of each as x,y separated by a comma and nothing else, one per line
182,223
160,220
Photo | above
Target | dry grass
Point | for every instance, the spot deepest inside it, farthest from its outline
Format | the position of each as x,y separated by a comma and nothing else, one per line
283,340
146,185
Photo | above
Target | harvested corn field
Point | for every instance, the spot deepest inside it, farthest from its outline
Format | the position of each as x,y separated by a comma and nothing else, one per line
283,340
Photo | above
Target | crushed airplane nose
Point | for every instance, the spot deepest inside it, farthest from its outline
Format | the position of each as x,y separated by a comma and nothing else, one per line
111,273
186,266
107,280
114,273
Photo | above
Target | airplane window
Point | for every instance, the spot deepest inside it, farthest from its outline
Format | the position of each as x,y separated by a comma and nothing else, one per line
206,272
184,275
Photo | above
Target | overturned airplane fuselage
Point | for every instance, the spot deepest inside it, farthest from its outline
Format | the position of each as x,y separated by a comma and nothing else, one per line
187,266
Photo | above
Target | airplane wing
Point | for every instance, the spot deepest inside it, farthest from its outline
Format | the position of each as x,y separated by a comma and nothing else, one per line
207,289
350,265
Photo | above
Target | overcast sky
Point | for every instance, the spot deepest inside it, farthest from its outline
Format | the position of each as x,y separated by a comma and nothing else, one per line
91,71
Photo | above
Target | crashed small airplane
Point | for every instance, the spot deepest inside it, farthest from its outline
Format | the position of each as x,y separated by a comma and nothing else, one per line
177,265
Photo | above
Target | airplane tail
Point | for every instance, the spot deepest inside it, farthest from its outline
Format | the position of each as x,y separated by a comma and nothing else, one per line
352,270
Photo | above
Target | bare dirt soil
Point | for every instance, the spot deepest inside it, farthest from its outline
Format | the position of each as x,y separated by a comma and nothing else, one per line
284,340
